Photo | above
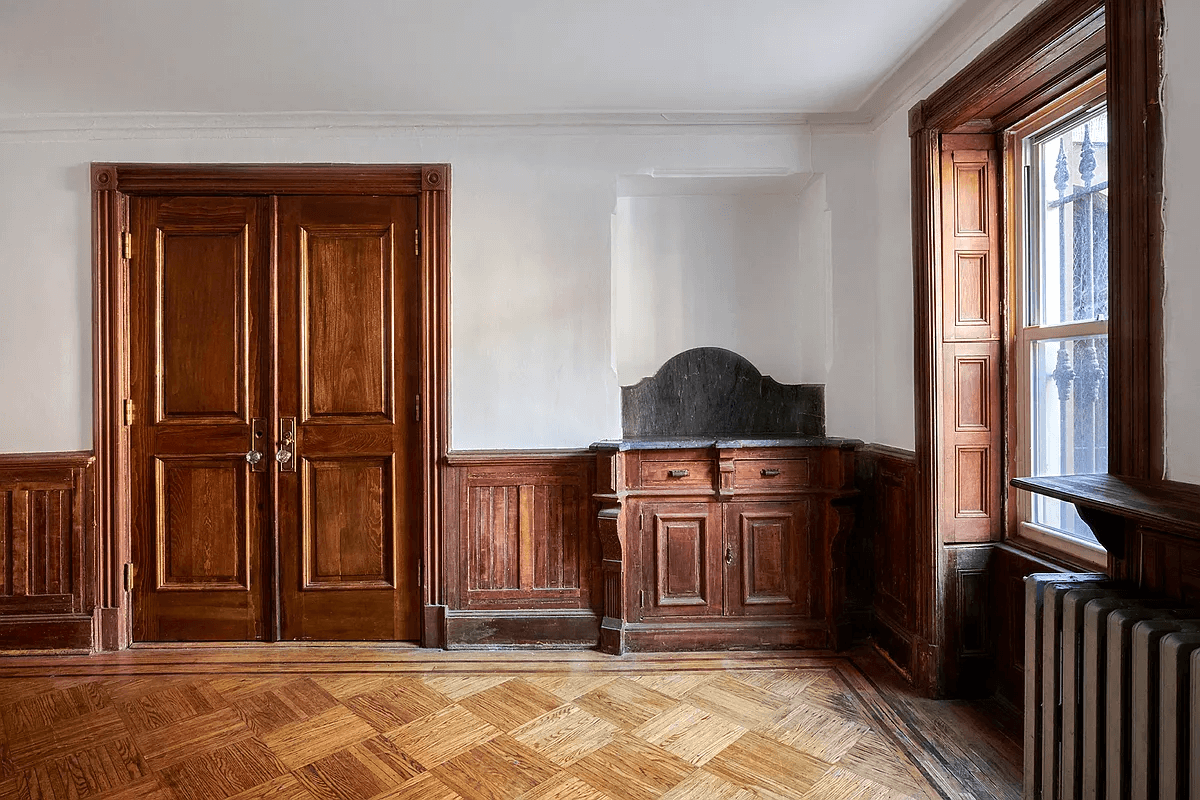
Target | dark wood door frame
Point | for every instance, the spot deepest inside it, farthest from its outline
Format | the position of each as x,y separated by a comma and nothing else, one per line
112,186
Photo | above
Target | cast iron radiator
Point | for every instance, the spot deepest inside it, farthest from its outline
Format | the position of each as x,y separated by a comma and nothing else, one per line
1112,692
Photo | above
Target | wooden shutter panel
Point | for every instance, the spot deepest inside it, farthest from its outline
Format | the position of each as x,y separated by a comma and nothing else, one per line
972,479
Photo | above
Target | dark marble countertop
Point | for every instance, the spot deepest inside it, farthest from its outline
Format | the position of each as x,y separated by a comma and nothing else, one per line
719,442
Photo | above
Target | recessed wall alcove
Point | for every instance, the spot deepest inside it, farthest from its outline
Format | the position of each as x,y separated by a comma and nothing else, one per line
741,262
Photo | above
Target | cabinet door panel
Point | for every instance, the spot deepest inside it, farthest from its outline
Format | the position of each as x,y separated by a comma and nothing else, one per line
683,575
767,558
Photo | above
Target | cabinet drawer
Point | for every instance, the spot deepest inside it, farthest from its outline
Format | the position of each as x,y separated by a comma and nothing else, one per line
667,474
765,473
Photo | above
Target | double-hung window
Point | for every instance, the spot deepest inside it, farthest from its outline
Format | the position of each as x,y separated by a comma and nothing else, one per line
1059,310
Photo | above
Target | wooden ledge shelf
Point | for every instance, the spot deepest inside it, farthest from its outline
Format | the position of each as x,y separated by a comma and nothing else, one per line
1107,502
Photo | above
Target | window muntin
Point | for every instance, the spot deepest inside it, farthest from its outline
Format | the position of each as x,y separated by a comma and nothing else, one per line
1062,326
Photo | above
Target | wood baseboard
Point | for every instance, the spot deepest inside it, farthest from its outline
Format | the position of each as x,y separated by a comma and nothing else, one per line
734,633
544,629
41,633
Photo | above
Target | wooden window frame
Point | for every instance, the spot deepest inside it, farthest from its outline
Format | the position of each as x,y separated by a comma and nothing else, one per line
112,186
1059,47
1020,529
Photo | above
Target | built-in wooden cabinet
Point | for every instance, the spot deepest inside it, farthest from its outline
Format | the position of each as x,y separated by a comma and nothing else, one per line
724,546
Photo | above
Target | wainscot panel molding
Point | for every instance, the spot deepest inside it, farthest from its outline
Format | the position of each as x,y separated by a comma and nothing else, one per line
520,556
47,553
886,476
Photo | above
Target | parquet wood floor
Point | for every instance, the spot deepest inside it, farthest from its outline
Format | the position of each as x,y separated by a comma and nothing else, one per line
393,724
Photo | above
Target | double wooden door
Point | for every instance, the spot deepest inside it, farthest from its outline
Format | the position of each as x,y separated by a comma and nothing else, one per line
273,443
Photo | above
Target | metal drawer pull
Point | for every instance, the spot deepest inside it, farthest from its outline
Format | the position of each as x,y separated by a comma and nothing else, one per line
678,473
770,473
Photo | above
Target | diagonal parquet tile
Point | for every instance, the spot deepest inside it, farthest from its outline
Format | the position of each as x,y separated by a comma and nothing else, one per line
223,772
398,703
624,703
304,742
631,768
840,784
511,704
817,732
456,687
439,737
565,786
423,787
566,734
754,762
690,733
728,697
39,712
103,767
189,737
285,787
362,771
500,769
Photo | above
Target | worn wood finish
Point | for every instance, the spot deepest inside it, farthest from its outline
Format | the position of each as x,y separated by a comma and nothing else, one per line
47,544
1135,335
886,477
390,722
349,329
1059,48
731,547
198,376
521,555
114,185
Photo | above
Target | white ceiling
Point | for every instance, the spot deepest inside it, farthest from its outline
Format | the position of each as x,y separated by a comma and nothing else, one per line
455,57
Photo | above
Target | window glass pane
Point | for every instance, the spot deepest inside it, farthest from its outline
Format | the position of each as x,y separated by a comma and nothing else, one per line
1072,224
1069,405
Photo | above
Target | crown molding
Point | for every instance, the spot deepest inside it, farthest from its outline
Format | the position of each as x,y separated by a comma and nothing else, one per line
957,38
174,125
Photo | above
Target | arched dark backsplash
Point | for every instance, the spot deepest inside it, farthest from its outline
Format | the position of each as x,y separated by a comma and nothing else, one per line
714,391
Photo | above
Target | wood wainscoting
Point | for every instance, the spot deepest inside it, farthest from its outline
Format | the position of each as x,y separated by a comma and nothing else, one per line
47,552
520,556
886,476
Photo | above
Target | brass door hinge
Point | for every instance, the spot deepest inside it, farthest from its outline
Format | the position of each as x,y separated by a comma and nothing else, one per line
129,412
128,576
420,572
417,408
641,598
417,242
126,245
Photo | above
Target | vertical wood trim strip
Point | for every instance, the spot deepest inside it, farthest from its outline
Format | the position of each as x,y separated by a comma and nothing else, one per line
525,546
21,537
1136,418
6,544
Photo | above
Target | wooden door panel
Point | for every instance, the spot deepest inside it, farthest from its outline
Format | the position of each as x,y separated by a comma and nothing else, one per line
346,274
348,337
198,290
768,558
201,322
203,513
347,522
684,542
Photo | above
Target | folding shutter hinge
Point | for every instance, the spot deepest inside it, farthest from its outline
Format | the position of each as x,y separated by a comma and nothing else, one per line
417,242
128,576
129,412
126,245
420,572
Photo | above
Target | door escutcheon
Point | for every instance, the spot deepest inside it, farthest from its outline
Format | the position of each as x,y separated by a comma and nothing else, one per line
254,456
285,454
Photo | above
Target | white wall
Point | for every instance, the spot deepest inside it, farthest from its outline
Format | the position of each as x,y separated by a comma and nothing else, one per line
1182,186
738,263
531,264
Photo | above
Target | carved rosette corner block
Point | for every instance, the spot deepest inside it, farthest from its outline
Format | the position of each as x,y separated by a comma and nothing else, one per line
104,177
434,177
